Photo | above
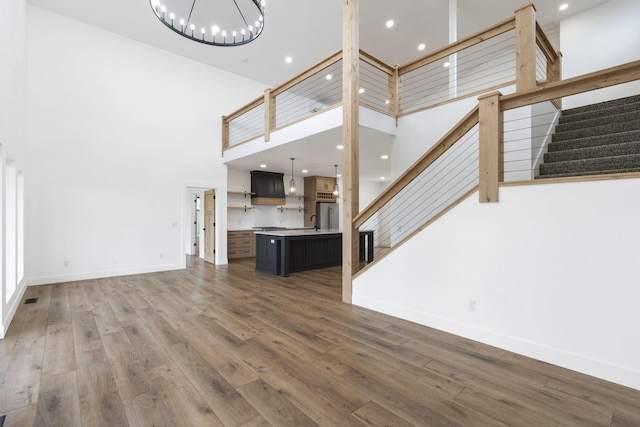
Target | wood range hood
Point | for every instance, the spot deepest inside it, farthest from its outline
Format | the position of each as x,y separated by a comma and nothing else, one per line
267,188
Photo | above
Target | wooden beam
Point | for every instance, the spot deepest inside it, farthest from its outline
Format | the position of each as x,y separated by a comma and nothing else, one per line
525,48
350,140
491,125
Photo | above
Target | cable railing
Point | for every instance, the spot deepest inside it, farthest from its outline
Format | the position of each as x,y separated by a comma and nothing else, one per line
442,176
314,94
447,179
489,63
527,131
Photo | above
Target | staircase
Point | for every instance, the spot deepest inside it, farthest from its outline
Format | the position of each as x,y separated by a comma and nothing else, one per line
595,139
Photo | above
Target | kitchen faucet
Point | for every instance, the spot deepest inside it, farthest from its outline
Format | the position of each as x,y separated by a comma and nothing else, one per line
315,223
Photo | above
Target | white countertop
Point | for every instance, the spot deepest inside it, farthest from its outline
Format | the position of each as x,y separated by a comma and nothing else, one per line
300,232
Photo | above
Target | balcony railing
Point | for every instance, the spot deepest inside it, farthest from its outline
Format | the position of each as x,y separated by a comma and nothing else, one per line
499,56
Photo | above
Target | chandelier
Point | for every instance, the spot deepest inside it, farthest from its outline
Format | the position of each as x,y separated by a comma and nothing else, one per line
213,22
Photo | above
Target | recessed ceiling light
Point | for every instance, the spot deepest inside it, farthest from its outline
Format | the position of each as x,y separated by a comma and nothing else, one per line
339,176
563,6
305,171
387,101
382,178
263,166
288,60
446,64
340,147
390,23
422,46
329,76
361,90
384,157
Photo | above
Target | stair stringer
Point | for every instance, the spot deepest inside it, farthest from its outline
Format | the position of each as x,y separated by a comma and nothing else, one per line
551,271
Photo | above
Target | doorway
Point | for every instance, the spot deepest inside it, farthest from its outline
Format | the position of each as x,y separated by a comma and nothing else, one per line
209,226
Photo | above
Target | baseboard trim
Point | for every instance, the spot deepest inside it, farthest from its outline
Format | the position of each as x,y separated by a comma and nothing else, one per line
47,280
576,362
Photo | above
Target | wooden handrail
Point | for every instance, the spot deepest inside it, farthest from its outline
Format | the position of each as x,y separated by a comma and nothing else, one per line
332,59
597,80
446,142
253,104
496,30
545,45
377,63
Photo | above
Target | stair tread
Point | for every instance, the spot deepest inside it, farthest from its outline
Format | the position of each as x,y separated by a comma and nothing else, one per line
590,165
608,150
604,172
609,128
608,112
604,104
594,141
627,116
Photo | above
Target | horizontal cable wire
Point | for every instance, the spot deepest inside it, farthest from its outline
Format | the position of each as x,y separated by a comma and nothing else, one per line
527,132
247,126
310,95
487,64
450,176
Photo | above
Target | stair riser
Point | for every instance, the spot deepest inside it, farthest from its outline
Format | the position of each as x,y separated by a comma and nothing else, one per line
596,131
593,153
599,121
592,165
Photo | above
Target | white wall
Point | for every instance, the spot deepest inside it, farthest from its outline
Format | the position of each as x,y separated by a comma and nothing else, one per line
601,37
13,119
552,276
118,130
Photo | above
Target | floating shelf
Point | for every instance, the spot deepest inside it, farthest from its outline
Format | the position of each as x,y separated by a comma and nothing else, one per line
245,207
241,193
282,209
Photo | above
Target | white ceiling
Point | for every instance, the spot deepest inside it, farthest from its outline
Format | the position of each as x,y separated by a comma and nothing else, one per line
310,31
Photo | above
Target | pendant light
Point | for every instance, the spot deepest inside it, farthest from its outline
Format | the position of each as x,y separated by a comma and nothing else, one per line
292,183
336,190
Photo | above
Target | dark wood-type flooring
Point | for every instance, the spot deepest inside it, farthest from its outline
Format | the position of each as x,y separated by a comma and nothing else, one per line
214,346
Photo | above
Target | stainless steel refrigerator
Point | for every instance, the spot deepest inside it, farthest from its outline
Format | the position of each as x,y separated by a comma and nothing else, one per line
327,215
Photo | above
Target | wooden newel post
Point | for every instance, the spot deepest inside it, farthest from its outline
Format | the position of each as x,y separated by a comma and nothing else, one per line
525,48
269,114
491,150
225,134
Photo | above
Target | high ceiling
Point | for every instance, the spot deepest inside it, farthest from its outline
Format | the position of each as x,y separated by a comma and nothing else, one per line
309,31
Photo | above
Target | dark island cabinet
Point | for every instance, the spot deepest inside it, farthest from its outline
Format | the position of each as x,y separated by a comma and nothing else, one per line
268,254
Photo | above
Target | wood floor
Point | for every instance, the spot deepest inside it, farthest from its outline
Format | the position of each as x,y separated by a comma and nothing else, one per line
230,346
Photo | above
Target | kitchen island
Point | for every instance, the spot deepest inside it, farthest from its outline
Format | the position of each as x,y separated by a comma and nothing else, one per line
284,251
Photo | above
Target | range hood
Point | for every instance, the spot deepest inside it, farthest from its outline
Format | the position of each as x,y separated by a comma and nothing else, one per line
268,188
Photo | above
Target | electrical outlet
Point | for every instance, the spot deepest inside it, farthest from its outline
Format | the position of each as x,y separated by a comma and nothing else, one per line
161,256
66,263
472,305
